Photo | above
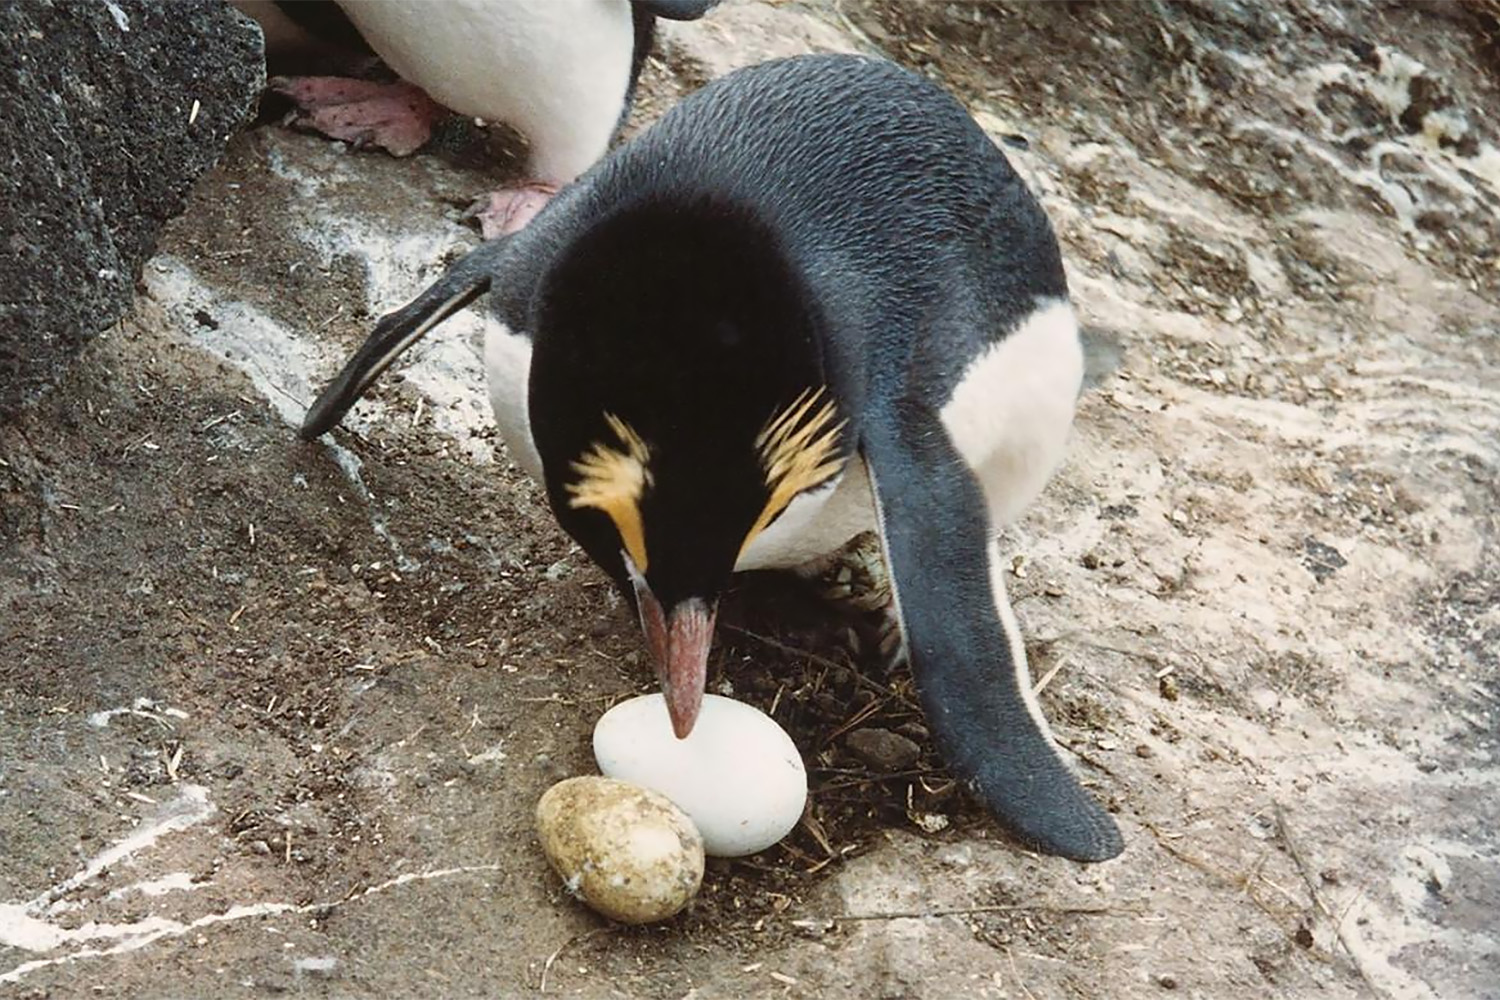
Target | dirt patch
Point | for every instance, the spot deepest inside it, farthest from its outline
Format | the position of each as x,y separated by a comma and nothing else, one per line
274,716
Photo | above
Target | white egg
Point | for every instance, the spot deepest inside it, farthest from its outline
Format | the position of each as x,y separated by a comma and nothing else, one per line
738,775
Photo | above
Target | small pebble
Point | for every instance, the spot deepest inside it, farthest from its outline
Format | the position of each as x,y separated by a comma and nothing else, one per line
913,730
882,749
814,928
316,966
929,822
955,855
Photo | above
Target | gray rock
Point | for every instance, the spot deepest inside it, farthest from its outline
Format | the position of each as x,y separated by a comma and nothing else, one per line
1321,560
883,750
99,146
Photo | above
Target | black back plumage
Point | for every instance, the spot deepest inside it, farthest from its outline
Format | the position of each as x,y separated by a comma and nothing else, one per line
878,186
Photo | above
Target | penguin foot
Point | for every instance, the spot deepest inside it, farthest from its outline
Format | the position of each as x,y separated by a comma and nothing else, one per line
509,209
854,580
396,117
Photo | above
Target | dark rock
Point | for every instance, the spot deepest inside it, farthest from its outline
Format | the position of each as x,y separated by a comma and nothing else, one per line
100,146
1321,560
914,731
883,750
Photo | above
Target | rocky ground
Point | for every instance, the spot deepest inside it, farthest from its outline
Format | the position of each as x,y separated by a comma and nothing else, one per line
274,716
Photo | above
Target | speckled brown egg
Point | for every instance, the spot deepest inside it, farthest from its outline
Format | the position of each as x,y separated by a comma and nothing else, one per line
624,850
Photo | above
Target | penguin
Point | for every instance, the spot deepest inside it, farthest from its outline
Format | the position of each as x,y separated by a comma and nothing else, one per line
812,300
563,73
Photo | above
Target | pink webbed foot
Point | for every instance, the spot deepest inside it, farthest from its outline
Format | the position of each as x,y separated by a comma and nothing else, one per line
397,117
855,582
509,209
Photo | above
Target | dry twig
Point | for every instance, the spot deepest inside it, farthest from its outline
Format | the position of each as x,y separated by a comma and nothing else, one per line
823,661
1310,878
1011,958
964,911
552,958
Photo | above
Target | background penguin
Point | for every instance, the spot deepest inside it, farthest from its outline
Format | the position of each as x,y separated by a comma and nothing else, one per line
560,72
813,299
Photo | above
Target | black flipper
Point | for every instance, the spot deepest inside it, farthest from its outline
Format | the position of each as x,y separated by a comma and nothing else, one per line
643,15
966,653
677,10
461,284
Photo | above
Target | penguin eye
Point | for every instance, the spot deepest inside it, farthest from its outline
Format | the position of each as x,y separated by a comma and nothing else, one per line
613,479
798,450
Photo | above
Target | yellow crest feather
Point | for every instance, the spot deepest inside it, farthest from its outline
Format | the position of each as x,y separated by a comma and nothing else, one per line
613,480
798,451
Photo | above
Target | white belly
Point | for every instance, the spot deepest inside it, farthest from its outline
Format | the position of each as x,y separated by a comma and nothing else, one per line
507,363
555,70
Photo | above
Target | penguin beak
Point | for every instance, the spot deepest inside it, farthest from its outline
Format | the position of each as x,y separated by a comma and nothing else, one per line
679,642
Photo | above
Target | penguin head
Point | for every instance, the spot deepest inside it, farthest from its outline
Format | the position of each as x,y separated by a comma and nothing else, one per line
678,404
